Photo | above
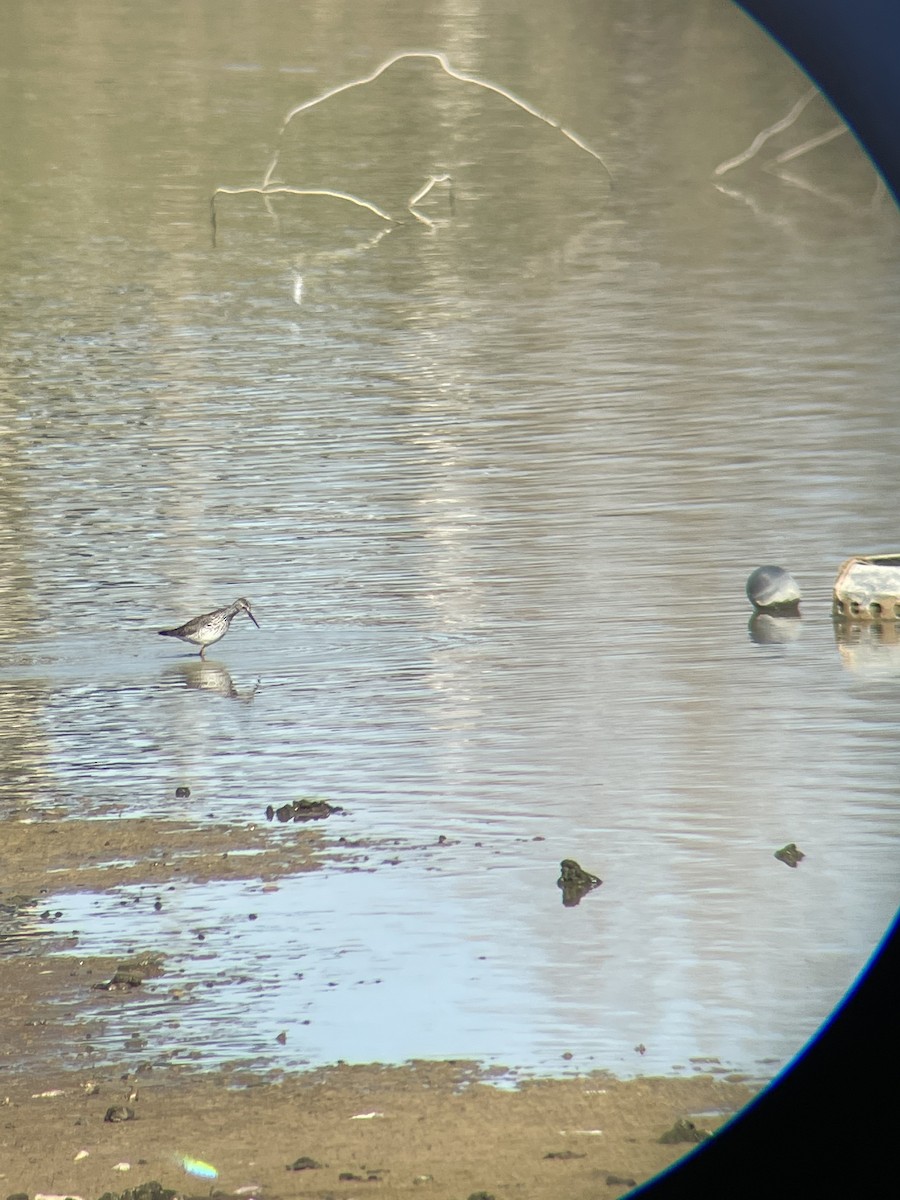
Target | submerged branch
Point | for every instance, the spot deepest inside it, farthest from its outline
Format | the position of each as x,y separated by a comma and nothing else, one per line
422,193
282,188
762,137
805,147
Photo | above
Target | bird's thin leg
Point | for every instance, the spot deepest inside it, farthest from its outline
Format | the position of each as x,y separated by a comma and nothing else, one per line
202,651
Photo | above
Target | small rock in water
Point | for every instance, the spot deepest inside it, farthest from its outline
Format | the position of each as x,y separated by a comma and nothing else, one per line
790,854
182,793
575,882
773,589
302,810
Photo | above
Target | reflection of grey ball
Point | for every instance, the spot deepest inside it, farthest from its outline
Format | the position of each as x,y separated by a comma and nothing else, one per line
772,588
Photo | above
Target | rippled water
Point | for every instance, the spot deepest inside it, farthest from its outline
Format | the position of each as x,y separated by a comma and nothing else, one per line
494,489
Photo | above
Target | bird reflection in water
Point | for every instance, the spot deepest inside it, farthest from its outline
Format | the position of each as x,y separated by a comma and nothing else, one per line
208,676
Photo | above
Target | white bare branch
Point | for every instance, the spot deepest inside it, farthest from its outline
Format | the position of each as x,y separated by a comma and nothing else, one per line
805,147
763,137
441,59
270,186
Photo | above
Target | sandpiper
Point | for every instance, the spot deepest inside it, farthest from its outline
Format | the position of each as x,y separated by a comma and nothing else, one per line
210,627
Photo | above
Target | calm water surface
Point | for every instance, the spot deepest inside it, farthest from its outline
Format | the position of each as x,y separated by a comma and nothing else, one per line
493,485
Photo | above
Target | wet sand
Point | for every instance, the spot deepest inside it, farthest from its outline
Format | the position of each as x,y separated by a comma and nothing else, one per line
430,1129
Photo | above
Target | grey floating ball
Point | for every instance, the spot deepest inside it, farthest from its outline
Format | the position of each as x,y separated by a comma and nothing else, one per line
770,589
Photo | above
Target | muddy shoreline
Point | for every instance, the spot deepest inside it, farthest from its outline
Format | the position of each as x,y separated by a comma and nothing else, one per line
435,1129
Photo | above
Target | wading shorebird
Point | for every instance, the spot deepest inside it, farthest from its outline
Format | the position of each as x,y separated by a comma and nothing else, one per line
212,626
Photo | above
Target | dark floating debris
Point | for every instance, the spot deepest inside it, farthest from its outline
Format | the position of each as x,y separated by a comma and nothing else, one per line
684,1131
773,589
867,588
790,854
120,1112
302,810
575,882
303,1163
182,793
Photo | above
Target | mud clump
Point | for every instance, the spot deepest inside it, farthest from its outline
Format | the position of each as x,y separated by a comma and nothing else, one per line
302,810
303,1163
144,1191
684,1131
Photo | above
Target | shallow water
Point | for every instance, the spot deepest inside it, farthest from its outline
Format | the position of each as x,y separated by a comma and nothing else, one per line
494,489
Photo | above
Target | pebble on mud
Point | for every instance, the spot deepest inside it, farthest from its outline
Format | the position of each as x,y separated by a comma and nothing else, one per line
303,1163
131,973
152,1190
122,981
684,1131
119,1112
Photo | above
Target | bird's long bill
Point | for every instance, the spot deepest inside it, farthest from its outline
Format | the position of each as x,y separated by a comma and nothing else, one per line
252,618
